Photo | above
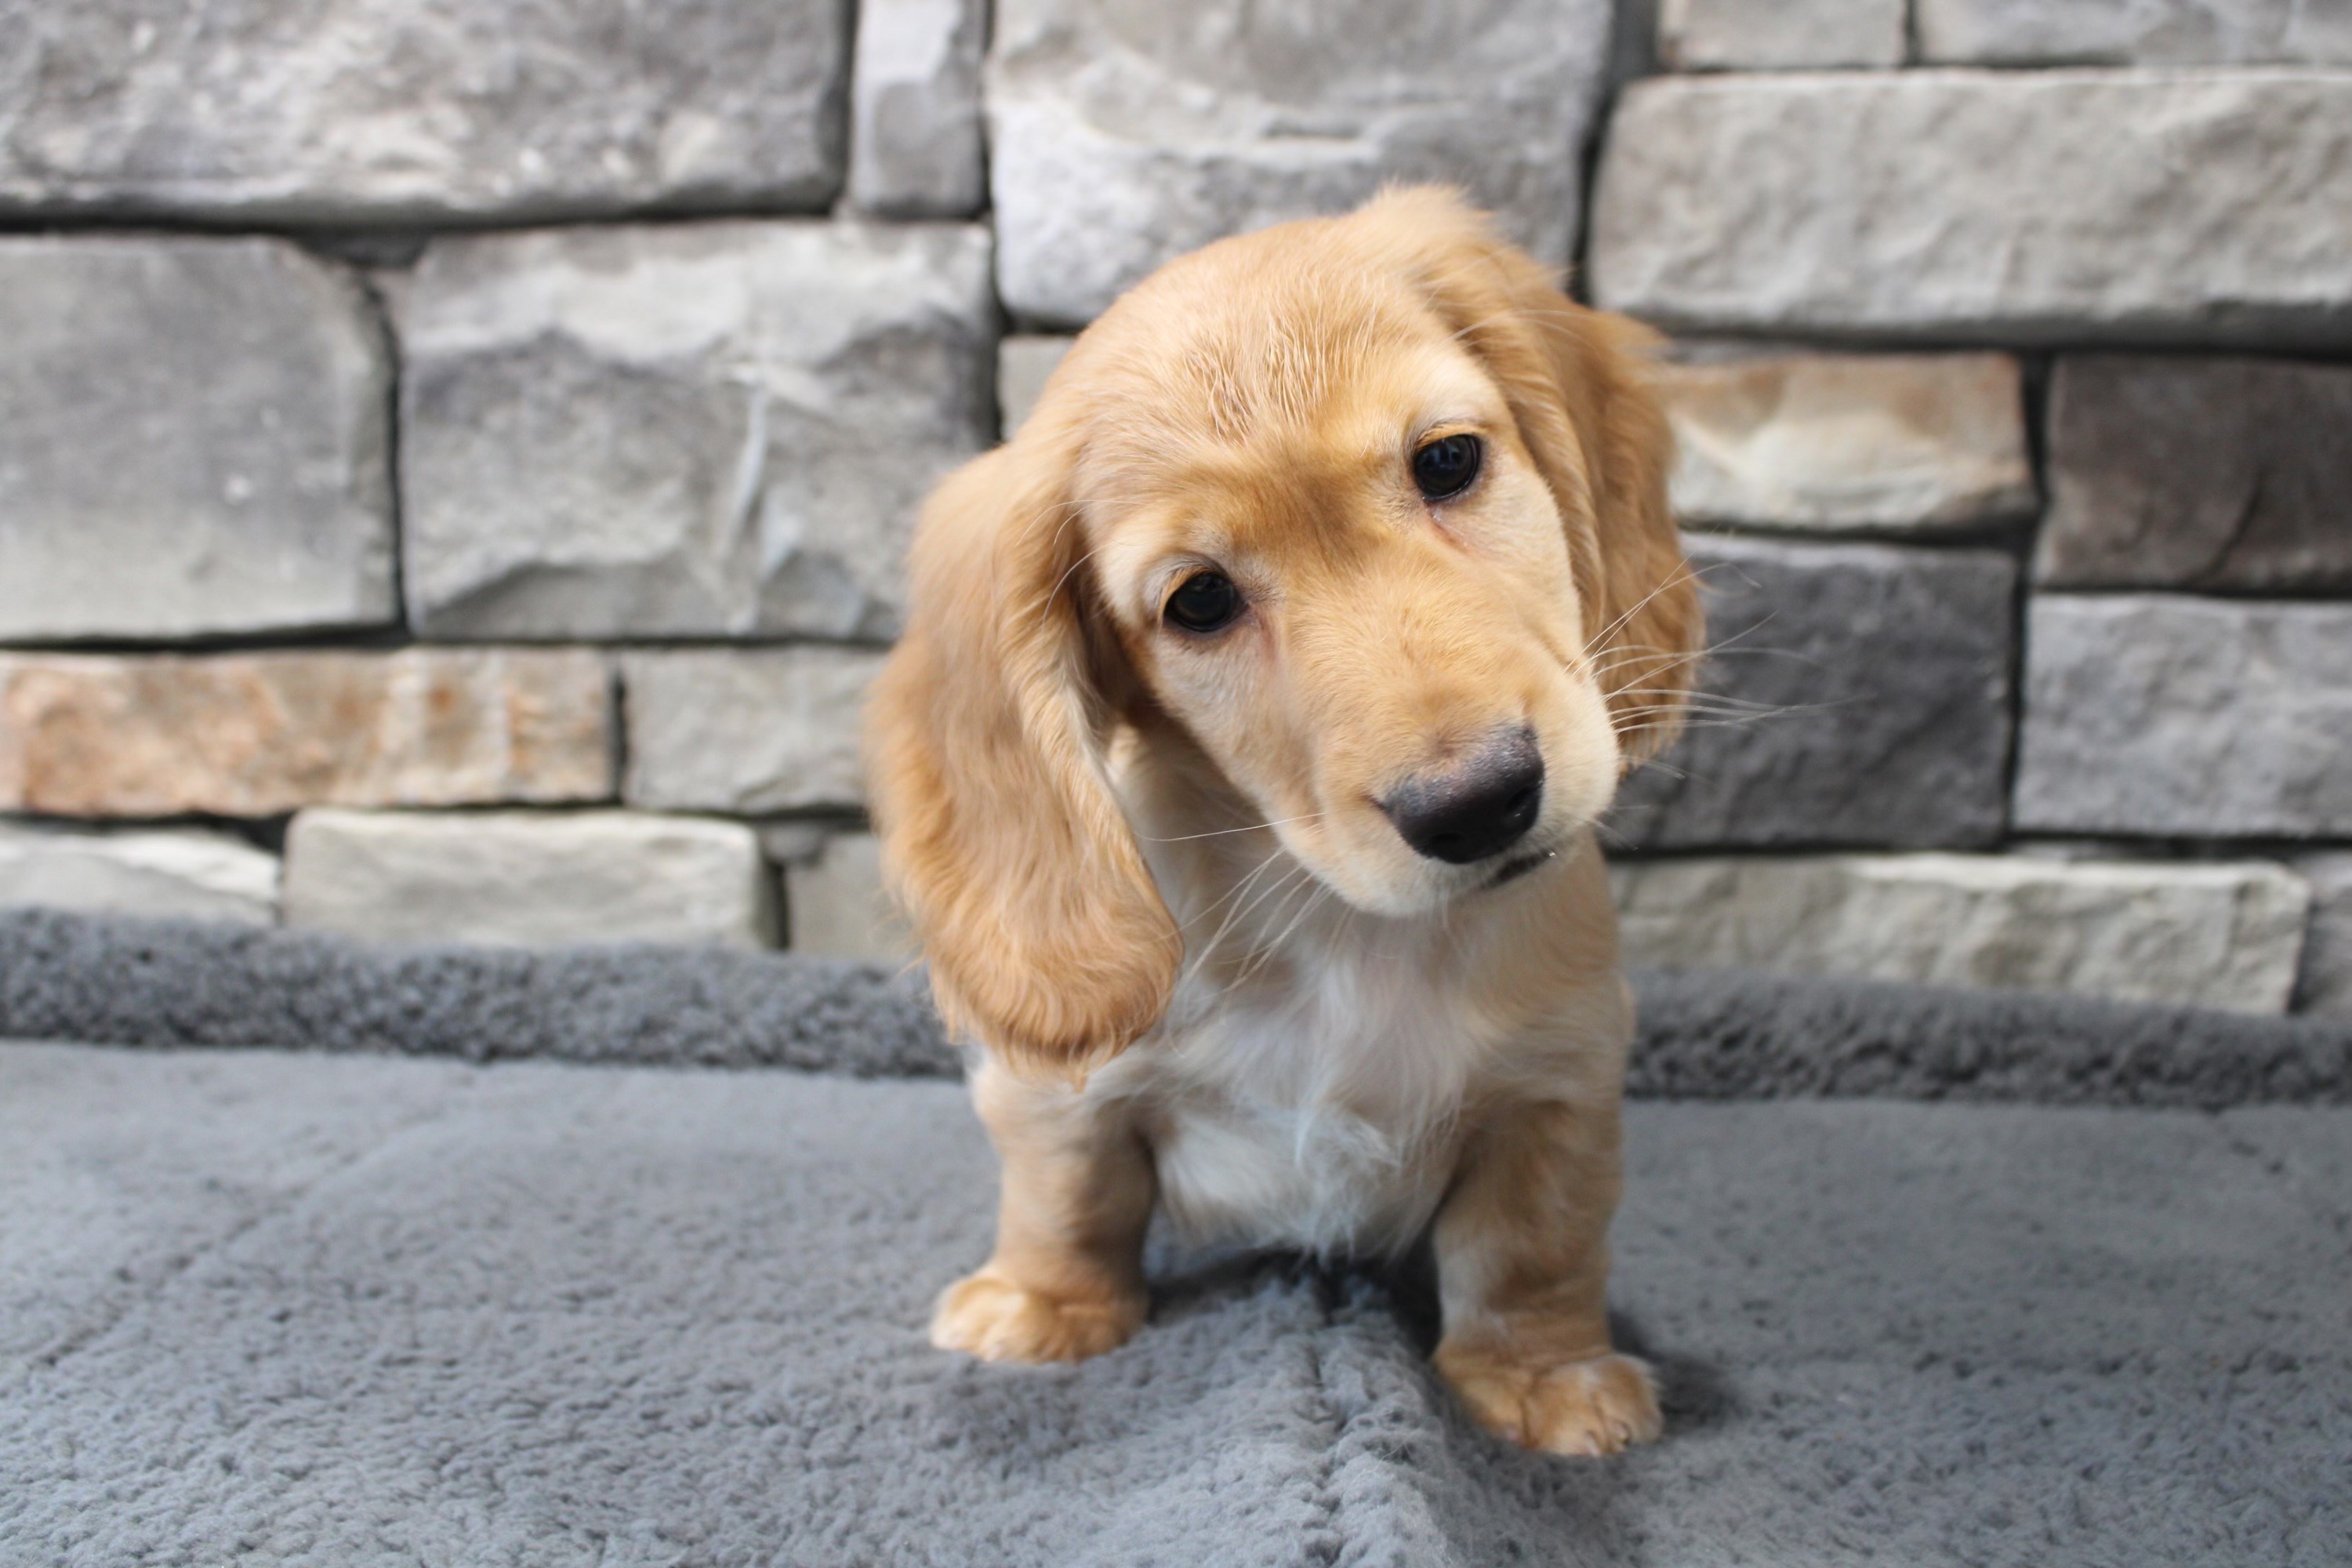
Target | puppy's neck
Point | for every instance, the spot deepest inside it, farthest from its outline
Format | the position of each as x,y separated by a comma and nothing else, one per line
1252,914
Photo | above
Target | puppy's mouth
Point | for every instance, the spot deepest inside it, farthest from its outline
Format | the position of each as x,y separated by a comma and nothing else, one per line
1519,865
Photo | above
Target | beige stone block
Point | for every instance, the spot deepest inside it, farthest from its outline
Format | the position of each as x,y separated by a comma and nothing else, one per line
185,873
1839,443
2222,936
254,734
528,878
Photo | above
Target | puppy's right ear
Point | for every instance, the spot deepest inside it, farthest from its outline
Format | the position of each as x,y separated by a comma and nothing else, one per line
985,741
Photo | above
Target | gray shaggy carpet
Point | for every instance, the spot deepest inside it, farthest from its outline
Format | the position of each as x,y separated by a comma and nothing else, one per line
1704,1035
353,1306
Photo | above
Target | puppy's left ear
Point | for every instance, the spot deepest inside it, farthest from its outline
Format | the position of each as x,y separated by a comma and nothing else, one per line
1578,384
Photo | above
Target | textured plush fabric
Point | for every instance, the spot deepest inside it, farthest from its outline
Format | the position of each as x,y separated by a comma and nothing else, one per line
182,983
1730,1034
266,1308
68,976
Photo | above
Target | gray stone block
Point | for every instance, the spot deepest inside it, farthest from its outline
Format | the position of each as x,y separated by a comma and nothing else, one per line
2186,717
528,878
2003,206
192,441
259,733
791,841
2207,935
185,872
916,148
1123,134
1779,35
1847,443
1023,364
2200,472
2135,32
745,730
2325,985
837,909
710,429
364,112
1855,694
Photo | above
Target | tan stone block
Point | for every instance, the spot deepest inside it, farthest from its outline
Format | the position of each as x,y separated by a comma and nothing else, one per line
1822,442
256,735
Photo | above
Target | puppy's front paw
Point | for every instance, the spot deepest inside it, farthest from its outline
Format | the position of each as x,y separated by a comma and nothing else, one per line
1594,1406
996,1319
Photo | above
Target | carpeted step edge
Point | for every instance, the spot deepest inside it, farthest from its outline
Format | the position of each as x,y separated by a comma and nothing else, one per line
117,980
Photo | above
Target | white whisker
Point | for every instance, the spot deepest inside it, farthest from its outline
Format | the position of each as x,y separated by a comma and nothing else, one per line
1268,950
1253,827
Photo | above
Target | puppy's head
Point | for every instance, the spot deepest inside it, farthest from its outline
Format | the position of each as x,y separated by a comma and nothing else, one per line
1365,513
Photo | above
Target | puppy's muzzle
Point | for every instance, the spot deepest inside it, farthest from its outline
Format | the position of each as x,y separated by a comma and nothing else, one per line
1477,809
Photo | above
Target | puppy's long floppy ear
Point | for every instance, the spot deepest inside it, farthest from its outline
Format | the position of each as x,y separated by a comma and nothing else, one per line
1046,937
1578,382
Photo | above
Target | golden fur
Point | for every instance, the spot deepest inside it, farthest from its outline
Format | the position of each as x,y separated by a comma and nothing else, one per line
1200,966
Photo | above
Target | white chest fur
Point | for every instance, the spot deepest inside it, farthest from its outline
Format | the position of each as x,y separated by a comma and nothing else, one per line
1316,1105
1314,1089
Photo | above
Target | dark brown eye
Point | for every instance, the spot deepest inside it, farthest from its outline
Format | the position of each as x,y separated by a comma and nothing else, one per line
1204,601
1445,466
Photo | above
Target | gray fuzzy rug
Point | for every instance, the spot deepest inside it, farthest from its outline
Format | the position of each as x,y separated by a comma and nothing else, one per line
1719,1035
355,1308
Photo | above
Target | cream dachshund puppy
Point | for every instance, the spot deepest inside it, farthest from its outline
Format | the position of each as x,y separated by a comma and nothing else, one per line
1238,770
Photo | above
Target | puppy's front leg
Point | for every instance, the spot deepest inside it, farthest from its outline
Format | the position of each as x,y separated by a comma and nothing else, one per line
1067,1279
1523,1266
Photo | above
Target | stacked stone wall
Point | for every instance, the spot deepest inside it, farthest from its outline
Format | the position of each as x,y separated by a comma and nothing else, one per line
455,459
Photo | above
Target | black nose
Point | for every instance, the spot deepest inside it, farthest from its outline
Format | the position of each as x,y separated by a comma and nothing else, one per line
1480,808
